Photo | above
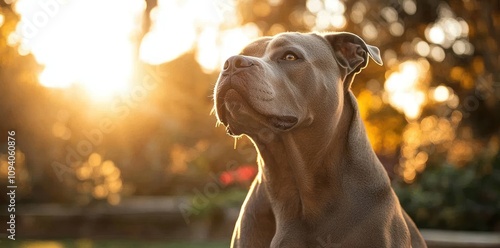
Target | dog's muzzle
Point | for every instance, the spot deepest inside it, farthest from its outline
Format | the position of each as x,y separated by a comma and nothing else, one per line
239,76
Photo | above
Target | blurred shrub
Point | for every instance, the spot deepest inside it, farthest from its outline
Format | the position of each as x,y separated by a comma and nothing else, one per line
449,197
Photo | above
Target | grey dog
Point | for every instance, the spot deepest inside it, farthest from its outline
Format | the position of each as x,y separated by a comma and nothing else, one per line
320,183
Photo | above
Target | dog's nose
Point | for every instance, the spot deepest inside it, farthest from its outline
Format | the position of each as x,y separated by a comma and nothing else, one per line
237,62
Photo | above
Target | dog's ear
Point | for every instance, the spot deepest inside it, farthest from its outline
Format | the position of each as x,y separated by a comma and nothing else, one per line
351,53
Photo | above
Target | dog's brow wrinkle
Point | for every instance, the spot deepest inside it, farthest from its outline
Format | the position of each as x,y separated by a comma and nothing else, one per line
280,43
262,98
261,90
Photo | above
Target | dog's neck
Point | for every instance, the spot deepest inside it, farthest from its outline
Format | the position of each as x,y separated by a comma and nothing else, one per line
306,173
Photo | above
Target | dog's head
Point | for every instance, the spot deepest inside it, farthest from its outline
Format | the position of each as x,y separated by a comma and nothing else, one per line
287,81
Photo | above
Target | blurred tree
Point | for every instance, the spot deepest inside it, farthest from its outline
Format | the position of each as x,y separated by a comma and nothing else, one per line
159,144
274,17
29,109
150,5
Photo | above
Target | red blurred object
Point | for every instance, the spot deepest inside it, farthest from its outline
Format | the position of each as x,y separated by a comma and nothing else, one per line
246,173
226,178
243,174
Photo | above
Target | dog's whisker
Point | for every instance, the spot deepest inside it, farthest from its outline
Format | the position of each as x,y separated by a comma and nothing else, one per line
235,142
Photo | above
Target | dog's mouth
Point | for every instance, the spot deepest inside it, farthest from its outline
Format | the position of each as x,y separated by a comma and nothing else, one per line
231,104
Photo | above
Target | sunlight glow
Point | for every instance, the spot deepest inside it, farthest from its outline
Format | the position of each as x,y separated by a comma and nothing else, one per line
370,32
409,6
437,53
463,47
441,93
99,179
213,50
436,35
209,27
328,14
2,19
81,44
430,130
422,48
405,88
448,30
358,12
172,33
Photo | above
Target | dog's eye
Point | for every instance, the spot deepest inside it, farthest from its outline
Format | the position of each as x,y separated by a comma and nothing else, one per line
289,56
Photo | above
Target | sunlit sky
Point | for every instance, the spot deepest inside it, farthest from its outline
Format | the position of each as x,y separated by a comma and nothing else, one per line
78,42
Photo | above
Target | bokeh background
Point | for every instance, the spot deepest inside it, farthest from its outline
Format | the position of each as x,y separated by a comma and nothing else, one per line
111,103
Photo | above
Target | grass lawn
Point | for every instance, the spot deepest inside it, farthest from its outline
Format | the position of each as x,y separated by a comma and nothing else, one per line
85,243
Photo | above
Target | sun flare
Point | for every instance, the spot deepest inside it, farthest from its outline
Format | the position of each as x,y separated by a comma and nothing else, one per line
210,28
94,44
406,88
89,44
